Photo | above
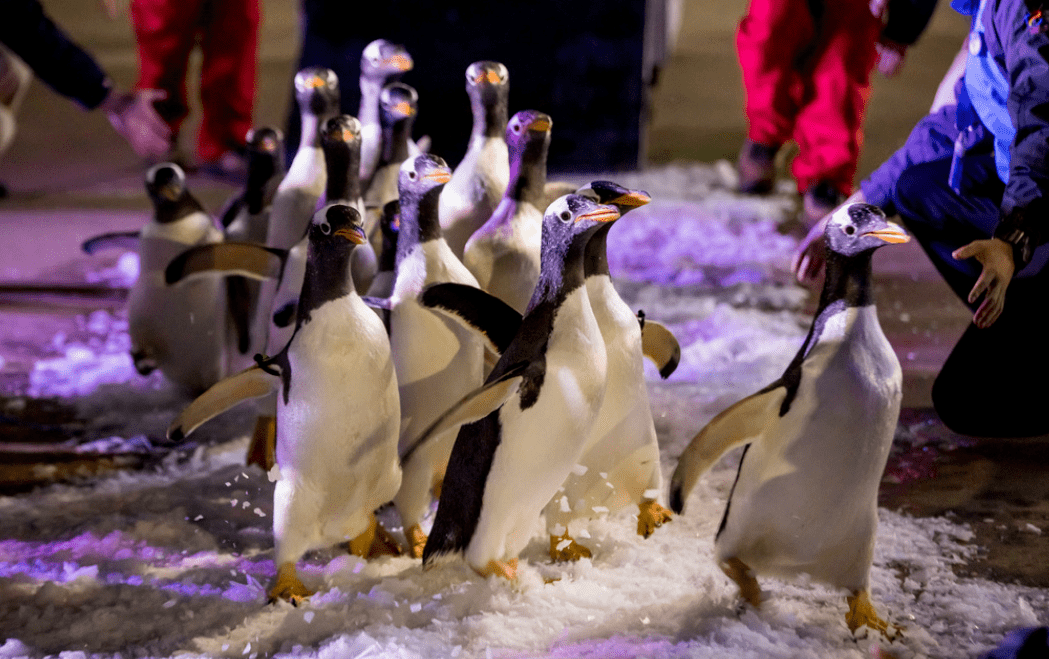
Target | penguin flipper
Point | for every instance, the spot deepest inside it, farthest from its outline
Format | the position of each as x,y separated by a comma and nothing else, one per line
382,303
127,240
661,346
472,407
477,310
246,259
252,382
739,424
230,211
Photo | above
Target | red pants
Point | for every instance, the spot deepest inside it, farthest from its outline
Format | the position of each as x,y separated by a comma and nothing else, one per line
808,79
227,30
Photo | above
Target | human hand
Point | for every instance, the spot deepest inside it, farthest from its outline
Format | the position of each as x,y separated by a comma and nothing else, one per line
890,57
996,257
133,116
811,256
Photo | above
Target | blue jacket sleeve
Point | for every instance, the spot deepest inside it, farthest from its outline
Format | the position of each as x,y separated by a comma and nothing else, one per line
1024,40
931,139
54,58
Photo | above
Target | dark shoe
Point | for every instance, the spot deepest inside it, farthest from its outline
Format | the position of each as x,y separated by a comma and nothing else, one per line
756,167
819,200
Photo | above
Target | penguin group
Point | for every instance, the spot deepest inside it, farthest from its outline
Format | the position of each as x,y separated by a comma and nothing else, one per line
415,333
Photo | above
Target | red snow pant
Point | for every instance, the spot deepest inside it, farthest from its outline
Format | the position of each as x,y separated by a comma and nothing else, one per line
227,31
807,78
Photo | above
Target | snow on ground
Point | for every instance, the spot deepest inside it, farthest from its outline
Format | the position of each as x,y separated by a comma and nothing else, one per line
175,561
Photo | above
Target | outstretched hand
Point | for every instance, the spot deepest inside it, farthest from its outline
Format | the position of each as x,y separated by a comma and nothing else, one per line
811,256
133,116
996,257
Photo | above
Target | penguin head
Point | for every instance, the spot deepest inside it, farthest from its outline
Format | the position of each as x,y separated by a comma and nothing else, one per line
390,221
528,130
165,183
317,90
398,102
607,192
383,60
265,155
858,228
488,82
421,175
336,227
341,129
572,216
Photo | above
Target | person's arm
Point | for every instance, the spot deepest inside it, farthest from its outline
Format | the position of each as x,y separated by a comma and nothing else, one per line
72,72
1025,209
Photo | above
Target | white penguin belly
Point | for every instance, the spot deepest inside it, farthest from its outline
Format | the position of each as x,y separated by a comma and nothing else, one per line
541,444
805,500
337,434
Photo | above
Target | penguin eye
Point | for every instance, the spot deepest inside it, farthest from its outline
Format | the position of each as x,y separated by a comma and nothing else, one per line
565,216
325,228
412,175
516,128
850,229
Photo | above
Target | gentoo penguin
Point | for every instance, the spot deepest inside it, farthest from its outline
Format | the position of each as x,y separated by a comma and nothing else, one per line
399,105
528,424
334,473
805,497
389,228
481,178
438,361
382,62
246,219
504,253
620,462
341,143
181,329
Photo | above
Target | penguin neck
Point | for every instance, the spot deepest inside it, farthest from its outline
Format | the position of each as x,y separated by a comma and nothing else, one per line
343,162
419,222
388,256
528,173
327,278
489,118
310,139
395,141
173,211
371,90
848,279
263,169
561,271
595,262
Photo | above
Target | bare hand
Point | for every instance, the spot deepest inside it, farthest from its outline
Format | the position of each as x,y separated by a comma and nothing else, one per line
996,256
890,57
811,255
133,116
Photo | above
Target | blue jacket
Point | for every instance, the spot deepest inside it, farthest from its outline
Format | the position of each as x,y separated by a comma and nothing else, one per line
1017,40
54,58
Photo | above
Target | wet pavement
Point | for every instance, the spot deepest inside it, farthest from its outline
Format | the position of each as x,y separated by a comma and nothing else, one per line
71,178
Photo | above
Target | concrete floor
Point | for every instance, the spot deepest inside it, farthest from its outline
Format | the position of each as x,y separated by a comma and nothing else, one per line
71,178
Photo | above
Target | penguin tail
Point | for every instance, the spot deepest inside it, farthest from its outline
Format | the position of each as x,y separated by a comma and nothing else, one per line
441,548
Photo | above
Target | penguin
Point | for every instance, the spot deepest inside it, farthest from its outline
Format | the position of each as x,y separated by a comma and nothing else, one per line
504,253
817,439
620,464
527,425
480,179
246,215
338,414
437,360
382,62
246,219
399,105
180,330
389,228
341,144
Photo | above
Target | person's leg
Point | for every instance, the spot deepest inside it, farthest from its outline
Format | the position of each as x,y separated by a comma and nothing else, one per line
837,78
228,77
165,32
771,39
